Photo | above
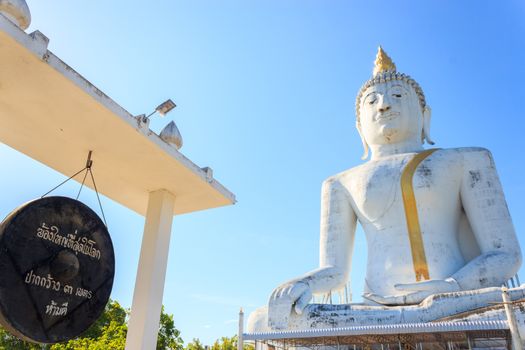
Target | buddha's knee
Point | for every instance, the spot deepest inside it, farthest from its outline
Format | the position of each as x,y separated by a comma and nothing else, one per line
258,321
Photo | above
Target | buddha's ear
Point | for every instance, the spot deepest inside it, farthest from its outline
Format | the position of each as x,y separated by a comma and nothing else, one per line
365,145
427,115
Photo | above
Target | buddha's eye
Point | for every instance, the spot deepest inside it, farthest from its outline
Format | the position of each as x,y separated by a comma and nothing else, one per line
371,98
397,92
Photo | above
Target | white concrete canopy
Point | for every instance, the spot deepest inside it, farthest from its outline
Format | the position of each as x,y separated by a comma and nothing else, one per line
54,115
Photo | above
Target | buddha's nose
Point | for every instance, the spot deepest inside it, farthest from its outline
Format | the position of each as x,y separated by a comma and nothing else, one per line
384,105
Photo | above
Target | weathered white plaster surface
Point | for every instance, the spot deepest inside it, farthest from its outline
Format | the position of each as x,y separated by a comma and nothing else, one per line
494,312
437,307
467,235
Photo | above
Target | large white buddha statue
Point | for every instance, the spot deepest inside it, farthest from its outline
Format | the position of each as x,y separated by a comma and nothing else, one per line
439,234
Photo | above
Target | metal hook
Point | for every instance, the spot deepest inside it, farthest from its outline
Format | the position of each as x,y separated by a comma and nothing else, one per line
89,162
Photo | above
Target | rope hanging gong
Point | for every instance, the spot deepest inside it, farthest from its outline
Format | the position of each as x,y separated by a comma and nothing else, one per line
57,267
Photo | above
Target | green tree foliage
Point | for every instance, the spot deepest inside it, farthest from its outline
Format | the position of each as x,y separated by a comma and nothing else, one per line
108,332
9,342
226,343
169,336
112,313
195,344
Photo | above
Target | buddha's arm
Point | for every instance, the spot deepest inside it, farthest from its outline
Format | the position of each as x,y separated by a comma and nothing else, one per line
484,204
338,223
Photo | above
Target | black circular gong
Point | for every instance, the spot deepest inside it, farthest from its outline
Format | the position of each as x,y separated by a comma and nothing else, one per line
56,269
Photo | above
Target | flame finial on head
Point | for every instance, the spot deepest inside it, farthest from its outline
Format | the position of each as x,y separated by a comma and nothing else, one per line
384,71
383,63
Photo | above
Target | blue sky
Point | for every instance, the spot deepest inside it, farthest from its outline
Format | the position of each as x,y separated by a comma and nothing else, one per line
265,93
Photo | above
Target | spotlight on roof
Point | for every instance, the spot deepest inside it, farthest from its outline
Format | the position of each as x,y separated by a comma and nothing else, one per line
164,108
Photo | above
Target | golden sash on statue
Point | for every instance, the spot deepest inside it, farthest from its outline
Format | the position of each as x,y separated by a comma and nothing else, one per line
414,230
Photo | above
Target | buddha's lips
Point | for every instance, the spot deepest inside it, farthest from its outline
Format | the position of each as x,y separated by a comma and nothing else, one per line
386,116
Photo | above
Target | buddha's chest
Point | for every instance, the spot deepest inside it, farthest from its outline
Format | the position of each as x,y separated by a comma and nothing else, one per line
376,187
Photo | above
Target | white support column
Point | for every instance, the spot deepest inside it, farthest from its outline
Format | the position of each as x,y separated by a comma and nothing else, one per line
149,285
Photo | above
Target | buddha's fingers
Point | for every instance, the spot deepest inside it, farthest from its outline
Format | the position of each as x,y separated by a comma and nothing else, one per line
303,300
417,297
289,292
285,291
297,290
276,293
385,300
408,299
419,286
434,286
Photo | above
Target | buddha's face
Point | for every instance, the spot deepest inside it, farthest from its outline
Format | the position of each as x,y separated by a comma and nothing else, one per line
390,113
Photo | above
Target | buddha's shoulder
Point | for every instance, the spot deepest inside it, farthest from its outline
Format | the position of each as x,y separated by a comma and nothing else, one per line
463,150
465,154
345,177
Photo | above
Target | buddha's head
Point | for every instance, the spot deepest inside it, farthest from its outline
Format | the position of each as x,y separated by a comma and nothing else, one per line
391,107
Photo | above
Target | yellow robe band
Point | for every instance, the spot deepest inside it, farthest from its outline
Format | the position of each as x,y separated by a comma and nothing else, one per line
414,230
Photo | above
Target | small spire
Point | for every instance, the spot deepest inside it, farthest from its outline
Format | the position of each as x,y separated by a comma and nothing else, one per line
383,63
171,135
17,12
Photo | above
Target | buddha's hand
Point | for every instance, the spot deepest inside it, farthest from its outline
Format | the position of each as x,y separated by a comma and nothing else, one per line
417,292
296,293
